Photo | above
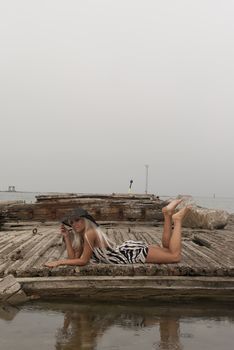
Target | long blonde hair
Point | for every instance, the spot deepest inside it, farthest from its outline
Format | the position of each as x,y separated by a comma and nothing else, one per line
78,241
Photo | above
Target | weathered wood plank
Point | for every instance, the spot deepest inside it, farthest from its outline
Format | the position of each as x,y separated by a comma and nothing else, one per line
36,253
53,253
223,244
11,291
13,243
130,288
201,258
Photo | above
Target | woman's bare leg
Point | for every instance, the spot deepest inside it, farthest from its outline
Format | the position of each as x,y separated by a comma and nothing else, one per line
175,242
168,211
167,230
173,254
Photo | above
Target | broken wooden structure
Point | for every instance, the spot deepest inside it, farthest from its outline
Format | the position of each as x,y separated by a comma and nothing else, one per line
205,271
11,291
115,207
4,209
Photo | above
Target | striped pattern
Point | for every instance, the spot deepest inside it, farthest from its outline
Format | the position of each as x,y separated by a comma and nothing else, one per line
129,252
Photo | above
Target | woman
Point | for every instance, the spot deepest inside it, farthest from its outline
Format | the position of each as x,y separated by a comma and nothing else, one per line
90,243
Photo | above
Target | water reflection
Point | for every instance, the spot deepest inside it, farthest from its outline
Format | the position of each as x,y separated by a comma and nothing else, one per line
83,328
8,312
112,327
169,334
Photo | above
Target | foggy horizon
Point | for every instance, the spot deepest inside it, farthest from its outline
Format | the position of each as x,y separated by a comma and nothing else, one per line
91,92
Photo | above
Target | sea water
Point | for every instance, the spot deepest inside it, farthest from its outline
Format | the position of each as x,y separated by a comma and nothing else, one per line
76,326
28,197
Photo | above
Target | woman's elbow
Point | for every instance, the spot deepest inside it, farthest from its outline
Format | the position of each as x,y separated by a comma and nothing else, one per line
83,262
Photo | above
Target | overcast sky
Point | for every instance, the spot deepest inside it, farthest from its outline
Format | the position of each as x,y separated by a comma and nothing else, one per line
91,91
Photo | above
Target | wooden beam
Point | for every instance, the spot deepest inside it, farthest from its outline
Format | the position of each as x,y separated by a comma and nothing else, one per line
173,288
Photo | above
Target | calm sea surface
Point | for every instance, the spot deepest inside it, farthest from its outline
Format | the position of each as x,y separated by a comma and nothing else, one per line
28,197
73,326
208,202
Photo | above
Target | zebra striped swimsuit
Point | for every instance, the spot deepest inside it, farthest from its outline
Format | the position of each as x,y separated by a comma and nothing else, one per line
129,252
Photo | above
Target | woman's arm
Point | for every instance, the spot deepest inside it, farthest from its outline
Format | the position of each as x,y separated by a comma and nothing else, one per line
70,249
78,262
78,252
85,256
68,243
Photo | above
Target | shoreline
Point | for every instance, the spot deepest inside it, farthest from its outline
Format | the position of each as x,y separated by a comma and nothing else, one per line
120,193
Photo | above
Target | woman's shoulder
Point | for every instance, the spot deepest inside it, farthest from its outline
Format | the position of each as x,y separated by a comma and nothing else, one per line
91,234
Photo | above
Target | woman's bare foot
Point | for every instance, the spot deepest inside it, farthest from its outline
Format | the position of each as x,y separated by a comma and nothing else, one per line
169,209
181,214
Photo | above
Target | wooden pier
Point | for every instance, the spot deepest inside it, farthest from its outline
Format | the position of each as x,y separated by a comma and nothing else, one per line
205,271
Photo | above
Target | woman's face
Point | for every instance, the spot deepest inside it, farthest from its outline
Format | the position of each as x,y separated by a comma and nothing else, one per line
78,225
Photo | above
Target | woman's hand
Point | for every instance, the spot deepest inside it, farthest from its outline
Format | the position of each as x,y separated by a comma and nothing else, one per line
69,262
64,231
52,263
